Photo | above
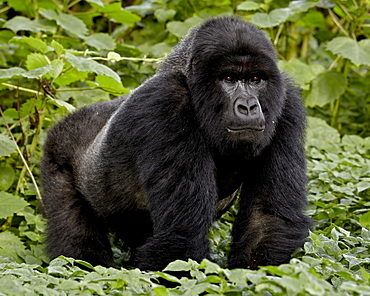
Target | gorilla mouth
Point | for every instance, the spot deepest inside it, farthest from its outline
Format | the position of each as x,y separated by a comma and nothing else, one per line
245,129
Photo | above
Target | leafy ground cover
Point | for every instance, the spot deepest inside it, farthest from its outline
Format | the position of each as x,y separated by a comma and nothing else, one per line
56,56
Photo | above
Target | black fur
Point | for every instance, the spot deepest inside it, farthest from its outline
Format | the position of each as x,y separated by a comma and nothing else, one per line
157,167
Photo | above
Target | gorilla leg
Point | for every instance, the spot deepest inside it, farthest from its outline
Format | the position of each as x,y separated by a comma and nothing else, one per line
73,229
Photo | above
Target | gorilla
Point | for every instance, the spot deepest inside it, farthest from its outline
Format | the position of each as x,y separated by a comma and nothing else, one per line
158,167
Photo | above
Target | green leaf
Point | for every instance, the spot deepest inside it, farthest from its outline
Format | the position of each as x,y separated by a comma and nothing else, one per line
110,85
87,65
38,72
363,185
36,60
179,29
21,23
72,24
326,88
59,49
7,176
178,265
101,41
32,42
357,53
70,76
272,19
6,146
301,6
164,15
57,68
49,14
365,220
10,245
97,2
248,6
301,72
25,6
119,15
64,105
14,72
319,133
10,204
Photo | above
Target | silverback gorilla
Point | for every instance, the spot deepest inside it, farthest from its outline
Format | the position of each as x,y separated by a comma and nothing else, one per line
158,167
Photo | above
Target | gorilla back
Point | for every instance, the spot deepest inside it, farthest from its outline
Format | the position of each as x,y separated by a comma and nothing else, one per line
158,167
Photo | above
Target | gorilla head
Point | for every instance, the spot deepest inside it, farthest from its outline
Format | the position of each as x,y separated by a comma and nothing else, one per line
232,75
158,167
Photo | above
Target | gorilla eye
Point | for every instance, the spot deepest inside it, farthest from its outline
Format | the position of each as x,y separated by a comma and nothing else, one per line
229,78
255,79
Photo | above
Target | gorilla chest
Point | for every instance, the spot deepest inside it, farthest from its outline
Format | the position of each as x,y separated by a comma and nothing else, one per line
228,180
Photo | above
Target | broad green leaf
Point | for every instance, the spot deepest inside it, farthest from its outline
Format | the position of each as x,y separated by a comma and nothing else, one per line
57,68
110,85
64,105
178,265
248,6
363,185
72,24
160,49
101,41
10,245
179,29
36,60
319,133
10,204
326,88
119,15
357,53
272,19
209,267
85,97
301,6
7,176
164,15
59,49
6,146
49,14
14,72
301,72
87,65
72,75
25,6
31,41
38,72
21,23
365,220
314,18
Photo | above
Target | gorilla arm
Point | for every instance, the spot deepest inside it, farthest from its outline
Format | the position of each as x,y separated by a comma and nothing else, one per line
270,224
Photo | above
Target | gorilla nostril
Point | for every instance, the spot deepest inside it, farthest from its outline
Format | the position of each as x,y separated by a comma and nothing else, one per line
243,109
253,108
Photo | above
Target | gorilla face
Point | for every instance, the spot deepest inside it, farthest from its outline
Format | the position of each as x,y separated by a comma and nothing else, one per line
243,115
239,89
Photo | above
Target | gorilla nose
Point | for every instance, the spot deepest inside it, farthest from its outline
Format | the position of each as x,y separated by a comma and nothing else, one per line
247,107
249,112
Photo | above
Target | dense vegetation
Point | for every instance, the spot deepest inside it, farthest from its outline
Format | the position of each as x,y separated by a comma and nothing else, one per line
59,55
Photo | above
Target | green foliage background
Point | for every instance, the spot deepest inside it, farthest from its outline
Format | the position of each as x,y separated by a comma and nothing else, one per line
58,55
